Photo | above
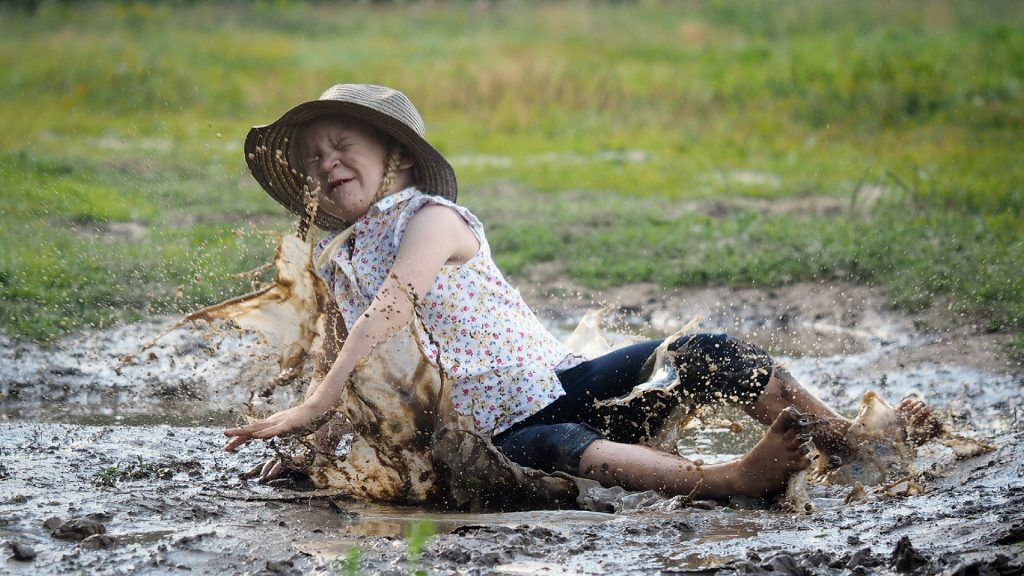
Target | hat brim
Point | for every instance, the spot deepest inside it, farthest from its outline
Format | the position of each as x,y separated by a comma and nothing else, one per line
267,154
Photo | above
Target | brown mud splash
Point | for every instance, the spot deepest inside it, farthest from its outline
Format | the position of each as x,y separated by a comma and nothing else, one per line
285,312
410,446
884,457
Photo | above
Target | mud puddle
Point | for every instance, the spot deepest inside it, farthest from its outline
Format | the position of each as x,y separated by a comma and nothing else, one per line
138,453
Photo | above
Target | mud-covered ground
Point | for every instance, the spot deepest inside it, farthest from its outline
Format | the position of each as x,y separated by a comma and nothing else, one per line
121,471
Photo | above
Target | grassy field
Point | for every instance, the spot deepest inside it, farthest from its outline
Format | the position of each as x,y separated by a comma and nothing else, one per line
683,143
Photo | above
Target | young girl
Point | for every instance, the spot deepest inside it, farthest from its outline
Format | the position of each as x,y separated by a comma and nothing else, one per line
361,150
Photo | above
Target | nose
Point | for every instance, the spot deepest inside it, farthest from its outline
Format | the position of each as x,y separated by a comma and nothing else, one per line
328,162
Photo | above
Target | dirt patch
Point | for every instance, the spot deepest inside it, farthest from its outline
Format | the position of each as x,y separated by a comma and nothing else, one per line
862,201
806,319
198,515
112,231
130,462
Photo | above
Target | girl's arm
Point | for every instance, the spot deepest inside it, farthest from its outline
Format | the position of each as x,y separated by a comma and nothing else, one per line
335,334
435,236
326,438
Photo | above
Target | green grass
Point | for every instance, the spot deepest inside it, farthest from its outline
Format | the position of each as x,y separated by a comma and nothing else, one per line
111,476
583,133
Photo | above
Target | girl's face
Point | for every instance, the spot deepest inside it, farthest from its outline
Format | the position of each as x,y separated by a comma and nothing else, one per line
346,159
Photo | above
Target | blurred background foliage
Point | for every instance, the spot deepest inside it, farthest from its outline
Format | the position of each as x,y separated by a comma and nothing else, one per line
684,143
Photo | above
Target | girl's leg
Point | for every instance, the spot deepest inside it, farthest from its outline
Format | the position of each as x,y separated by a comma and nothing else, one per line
555,438
829,432
718,366
713,367
782,390
550,441
603,378
762,471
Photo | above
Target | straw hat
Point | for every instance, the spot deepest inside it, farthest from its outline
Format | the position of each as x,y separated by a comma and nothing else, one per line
388,110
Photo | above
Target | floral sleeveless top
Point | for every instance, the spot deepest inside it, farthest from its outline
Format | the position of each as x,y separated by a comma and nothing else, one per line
502,361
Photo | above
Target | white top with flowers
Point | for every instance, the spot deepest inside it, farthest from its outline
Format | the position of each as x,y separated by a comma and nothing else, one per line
502,361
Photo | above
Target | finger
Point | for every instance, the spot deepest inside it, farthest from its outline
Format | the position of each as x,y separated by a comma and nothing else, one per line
272,431
274,472
258,425
236,442
267,467
252,472
248,429
913,401
908,405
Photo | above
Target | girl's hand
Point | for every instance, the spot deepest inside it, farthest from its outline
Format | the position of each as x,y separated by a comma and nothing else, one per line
298,417
267,470
325,439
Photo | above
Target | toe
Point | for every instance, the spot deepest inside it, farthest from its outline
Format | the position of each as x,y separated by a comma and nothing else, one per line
802,463
797,441
918,414
253,472
786,420
805,448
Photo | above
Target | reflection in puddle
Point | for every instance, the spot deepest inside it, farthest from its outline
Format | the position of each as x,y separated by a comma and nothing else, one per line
535,567
393,521
715,534
698,561
719,530
714,544
144,537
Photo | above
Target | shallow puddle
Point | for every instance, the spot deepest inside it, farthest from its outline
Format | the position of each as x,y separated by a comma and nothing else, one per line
381,520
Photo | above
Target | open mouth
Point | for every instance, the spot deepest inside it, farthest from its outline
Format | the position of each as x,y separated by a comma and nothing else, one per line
334,185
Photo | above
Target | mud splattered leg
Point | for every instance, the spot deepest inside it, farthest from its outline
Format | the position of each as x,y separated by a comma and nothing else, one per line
762,471
829,429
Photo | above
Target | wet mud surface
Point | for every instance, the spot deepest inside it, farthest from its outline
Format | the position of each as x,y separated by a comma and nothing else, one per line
107,470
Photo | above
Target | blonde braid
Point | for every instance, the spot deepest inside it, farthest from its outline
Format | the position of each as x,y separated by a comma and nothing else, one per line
390,170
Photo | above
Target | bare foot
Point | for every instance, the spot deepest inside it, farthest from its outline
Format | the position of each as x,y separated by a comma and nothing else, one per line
921,424
783,450
831,438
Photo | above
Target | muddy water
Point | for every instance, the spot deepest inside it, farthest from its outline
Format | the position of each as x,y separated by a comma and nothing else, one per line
138,453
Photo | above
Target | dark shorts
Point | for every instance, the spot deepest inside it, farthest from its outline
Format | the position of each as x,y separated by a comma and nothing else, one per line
711,367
